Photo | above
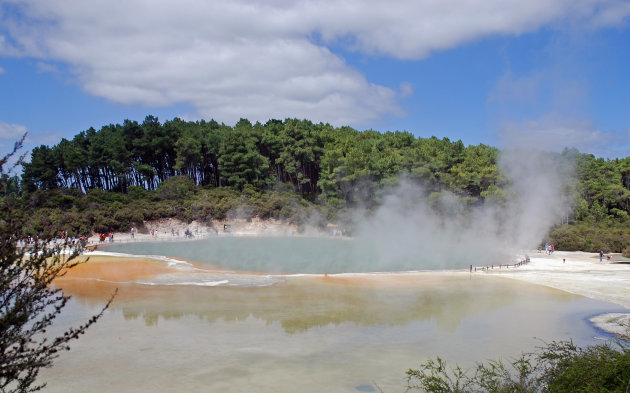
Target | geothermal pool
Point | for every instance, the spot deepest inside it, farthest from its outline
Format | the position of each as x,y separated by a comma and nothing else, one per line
299,254
350,332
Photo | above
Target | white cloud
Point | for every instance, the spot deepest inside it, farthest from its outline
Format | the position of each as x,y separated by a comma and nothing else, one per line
268,59
608,16
46,67
9,135
522,90
554,134
11,132
2,71
406,90
549,107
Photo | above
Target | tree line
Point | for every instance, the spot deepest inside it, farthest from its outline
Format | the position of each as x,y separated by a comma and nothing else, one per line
339,164
334,167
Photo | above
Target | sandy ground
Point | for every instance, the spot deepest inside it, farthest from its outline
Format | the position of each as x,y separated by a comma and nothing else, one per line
581,273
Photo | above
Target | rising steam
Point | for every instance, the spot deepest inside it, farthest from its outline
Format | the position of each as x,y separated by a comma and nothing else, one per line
447,234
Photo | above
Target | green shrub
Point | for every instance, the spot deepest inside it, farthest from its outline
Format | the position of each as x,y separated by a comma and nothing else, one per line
598,368
176,188
610,235
557,367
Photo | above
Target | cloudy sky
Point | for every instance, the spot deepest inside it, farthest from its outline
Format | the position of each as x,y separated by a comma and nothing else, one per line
548,73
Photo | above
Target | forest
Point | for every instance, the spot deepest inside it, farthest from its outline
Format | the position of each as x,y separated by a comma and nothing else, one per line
124,174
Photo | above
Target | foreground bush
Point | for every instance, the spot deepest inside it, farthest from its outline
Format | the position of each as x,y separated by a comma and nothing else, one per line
29,302
557,367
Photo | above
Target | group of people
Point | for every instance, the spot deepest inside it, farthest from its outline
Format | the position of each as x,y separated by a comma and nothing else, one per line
27,240
549,248
103,237
70,239
188,233
62,238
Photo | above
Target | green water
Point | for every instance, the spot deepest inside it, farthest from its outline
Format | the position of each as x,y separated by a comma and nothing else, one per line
297,254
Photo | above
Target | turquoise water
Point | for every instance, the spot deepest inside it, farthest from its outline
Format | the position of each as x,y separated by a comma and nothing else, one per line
295,254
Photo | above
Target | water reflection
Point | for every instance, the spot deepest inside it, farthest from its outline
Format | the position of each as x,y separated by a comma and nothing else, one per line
309,333
301,303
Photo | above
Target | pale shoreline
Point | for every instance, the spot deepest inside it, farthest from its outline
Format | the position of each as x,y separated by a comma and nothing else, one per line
581,273
174,230
575,272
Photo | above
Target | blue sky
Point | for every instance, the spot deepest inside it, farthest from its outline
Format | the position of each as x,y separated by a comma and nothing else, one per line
549,74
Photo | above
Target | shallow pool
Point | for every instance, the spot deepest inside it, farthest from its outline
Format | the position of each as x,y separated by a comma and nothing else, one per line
312,333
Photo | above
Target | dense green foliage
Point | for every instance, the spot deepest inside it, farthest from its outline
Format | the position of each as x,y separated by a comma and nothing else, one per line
336,166
102,211
130,172
600,218
558,367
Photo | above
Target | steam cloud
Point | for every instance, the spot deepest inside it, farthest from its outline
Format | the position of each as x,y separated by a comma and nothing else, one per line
448,235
